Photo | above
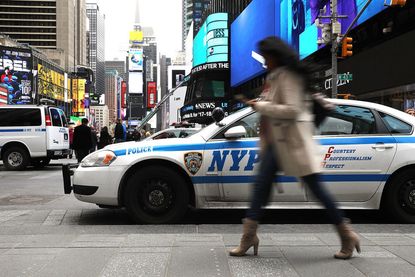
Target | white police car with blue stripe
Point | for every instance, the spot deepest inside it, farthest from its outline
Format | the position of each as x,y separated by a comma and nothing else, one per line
367,156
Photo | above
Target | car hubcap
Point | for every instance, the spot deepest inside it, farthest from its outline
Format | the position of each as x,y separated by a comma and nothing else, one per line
156,197
15,159
407,197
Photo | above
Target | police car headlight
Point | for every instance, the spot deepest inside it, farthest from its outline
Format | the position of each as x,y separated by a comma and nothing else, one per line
99,158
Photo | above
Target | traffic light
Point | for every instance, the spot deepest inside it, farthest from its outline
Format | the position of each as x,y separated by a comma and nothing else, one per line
397,3
347,47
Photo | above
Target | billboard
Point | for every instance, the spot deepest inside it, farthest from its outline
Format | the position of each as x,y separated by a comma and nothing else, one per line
151,94
123,94
51,83
211,42
78,96
293,21
16,75
135,82
4,95
135,59
136,37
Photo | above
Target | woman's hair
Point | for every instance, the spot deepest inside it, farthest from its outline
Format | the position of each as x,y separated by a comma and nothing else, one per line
275,48
104,129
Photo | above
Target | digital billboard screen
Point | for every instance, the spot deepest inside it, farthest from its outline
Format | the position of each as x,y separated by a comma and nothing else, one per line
135,82
16,75
293,21
211,42
135,62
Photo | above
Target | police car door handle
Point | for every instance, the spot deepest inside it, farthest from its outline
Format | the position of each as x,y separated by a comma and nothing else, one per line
381,145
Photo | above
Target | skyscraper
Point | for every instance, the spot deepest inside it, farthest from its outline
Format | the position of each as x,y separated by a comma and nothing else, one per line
96,45
58,28
192,12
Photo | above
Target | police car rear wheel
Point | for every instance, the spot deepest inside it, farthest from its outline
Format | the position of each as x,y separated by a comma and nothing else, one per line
15,158
401,197
156,195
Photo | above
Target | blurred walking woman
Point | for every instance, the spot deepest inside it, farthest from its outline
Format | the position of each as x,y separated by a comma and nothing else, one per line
287,144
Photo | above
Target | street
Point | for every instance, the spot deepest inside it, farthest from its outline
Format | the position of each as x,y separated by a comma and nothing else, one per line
46,233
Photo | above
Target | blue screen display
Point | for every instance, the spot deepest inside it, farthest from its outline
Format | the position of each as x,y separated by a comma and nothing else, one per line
293,21
211,42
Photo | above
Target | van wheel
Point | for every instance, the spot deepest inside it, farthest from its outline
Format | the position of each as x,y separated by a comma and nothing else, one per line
16,158
39,163
400,197
156,195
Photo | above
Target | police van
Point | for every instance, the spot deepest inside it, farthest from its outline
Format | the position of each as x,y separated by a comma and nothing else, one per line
32,135
366,150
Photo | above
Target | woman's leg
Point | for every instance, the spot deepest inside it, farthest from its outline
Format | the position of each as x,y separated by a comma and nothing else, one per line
263,184
349,239
313,182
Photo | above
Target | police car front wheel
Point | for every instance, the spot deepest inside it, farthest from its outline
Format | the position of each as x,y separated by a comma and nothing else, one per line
156,195
400,197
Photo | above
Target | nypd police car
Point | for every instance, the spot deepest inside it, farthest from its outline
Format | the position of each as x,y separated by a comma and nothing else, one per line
367,154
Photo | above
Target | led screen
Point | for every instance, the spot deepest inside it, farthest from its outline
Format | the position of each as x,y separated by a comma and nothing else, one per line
293,21
211,42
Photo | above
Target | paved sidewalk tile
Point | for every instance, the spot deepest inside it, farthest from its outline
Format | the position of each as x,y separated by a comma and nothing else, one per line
147,240
318,261
406,253
390,239
137,264
260,266
95,240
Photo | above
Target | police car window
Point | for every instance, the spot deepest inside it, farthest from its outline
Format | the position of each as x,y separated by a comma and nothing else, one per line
396,126
20,117
348,120
250,123
63,118
56,118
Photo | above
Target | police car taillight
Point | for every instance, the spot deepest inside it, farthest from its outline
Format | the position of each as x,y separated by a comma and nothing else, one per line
48,122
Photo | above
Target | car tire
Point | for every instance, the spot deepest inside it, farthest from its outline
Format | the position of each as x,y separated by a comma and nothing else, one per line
40,163
400,197
16,158
156,195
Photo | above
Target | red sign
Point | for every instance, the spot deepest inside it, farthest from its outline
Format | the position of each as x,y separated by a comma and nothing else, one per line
151,94
123,94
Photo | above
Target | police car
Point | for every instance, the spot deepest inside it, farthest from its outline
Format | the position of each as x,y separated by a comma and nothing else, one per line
367,154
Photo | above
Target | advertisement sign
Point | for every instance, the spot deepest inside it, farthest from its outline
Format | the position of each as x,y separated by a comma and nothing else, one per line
136,37
78,96
151,94
4,95
16,75
123,94
135,82
211,42
177,77
135,57
51,83
293,21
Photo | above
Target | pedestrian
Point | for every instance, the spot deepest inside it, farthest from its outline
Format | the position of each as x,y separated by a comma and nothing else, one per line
94,140
71,131
120,132
82,140
286,142
104,138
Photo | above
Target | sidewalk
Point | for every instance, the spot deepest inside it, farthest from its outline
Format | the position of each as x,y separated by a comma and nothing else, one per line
199,250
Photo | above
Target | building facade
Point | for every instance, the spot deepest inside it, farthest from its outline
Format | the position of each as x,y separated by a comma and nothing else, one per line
96,46
111,86
192,13
56,27
101,116
119,66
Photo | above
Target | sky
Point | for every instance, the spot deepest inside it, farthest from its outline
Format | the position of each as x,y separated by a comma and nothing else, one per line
165,16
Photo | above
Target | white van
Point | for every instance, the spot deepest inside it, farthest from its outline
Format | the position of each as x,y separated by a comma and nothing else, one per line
33,135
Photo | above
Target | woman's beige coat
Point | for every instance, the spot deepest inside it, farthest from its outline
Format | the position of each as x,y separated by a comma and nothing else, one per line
291,124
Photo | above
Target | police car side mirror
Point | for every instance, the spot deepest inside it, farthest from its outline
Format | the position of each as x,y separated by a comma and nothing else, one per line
218,114
235,132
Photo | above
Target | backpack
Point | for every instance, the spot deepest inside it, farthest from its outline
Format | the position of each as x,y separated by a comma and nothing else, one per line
321,108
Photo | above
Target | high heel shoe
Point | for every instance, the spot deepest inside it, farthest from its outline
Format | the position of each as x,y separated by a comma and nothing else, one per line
249,238
349,240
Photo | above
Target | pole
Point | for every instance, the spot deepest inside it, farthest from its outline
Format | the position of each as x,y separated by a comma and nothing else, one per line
333,50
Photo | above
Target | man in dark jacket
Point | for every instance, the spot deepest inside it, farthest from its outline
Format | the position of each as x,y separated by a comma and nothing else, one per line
82,140
120,133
